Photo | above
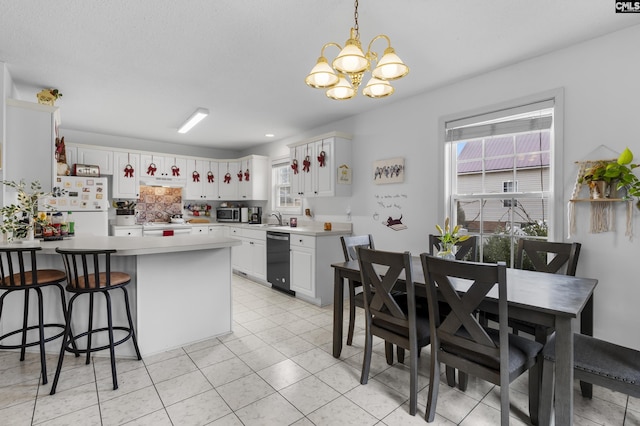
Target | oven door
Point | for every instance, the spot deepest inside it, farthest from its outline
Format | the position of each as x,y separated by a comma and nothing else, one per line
165,232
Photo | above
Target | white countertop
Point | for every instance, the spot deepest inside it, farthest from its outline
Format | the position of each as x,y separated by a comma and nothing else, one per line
133,246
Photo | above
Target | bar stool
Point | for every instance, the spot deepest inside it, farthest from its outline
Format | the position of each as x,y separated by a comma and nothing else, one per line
16,278
84,276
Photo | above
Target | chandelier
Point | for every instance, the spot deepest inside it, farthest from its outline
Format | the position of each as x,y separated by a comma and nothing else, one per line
353,62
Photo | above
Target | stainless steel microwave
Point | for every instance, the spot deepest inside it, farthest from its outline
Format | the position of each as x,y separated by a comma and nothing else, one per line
228,214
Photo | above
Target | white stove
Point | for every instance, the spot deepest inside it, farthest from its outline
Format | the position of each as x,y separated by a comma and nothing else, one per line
165,229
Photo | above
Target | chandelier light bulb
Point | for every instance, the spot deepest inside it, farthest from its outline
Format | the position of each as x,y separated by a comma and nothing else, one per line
390,66
377,88
322,75
343,90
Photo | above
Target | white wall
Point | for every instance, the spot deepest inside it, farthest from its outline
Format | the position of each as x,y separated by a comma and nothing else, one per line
602,106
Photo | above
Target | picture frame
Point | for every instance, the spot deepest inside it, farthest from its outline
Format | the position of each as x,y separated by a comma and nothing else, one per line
390,170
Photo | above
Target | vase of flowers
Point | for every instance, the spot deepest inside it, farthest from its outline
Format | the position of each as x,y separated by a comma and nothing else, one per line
20,218
449,238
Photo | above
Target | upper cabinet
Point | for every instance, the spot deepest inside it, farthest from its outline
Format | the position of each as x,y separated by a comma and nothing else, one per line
126,176
30,142
162,168
322,166
202,180
95,156
228,182
253,178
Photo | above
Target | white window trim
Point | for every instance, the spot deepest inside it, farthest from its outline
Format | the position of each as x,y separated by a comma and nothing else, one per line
274,195
556,203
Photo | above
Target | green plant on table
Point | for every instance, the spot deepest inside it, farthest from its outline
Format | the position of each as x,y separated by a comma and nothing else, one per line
449,238
19,218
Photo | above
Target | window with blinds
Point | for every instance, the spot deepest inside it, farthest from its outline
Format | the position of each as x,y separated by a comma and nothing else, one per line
501,176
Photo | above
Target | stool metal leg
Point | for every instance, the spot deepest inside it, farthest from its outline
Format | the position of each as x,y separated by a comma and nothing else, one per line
90,330
43,360
67,335
25,323
133,332
112,353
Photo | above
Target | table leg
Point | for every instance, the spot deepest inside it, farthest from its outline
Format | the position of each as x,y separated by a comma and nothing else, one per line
564,371
338,301
586,327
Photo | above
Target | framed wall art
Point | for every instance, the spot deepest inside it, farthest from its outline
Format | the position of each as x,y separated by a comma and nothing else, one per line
390,170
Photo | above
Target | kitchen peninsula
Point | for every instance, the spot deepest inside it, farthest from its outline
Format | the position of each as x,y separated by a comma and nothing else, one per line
180,290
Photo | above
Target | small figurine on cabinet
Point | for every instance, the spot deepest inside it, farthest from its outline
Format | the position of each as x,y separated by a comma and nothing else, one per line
61,158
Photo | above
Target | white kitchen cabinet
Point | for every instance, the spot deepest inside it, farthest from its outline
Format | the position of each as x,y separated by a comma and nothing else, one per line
163,168
102,158
202,180
126,231
319,178
228,179
217,230
30,142
200,230
250,258
255,178
303,265
311,273
126,176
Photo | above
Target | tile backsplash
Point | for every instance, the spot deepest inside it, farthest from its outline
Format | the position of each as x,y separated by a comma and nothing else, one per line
156,203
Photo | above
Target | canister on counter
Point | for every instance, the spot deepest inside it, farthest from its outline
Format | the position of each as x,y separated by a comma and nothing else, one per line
327,226
293,222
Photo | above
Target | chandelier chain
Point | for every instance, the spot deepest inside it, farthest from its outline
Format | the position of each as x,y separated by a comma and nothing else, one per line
355,17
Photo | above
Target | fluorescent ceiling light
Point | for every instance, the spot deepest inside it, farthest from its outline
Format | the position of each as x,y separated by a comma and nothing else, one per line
193,120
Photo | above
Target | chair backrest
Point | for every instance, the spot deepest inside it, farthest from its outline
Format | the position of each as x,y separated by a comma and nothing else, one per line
383,273
459,334
87,269
467,250
349,245
564,260
13,266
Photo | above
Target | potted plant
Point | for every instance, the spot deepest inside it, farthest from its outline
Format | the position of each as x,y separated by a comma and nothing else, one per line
19,219
448,239
606,177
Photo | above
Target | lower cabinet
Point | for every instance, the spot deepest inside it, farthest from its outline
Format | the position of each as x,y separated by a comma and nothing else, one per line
126,231
251,256
311,272
303,265
200,230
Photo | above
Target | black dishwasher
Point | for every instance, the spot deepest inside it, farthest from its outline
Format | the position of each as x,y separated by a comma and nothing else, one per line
278,261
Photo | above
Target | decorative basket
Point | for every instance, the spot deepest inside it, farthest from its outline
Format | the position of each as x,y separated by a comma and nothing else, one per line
45,97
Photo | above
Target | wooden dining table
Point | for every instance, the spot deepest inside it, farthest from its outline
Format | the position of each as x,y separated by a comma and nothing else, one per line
551,300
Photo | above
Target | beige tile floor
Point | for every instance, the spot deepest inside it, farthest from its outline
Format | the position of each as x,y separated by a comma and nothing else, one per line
275,369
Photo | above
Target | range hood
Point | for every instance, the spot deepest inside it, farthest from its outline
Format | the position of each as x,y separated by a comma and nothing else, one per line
167,182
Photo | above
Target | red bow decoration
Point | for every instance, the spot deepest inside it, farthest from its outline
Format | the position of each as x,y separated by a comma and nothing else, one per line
246,175
294,166
128,171
305,164
151,170
240,176
227,178
210,177
175,170
321,158
196,176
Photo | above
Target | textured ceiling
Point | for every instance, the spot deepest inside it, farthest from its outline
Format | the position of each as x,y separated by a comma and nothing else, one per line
139,68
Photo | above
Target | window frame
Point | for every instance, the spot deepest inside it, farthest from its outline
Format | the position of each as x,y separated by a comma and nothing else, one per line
275,187
446,203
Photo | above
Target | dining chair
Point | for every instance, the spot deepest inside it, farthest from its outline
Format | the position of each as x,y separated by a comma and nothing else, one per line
467,249
595,361
356,298
460,341
389,314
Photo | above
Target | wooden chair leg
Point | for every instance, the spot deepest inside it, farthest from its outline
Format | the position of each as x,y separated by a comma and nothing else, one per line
352,313
434,384
400,355
413,381
366,361
451,375
388,351
463,380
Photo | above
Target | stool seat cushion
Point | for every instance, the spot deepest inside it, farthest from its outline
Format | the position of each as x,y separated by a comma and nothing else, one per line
117,279
43,277
603,358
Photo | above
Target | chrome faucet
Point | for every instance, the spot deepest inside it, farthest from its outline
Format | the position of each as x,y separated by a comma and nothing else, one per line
278,216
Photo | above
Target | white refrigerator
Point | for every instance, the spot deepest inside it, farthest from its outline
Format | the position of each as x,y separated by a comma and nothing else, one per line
87,200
